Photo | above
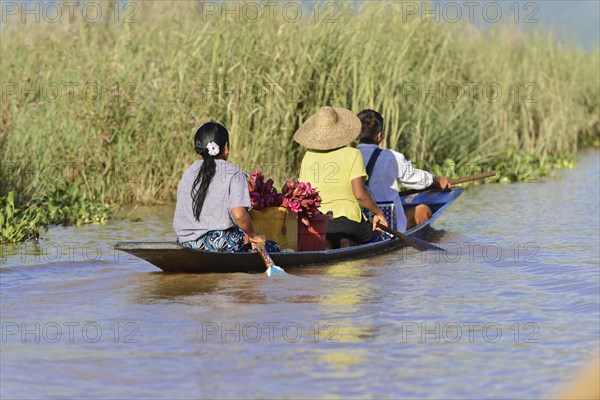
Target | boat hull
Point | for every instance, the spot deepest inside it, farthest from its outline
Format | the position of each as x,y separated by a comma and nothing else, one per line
172,257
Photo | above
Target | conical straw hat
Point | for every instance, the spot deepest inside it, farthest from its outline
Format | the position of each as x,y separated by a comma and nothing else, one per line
330,128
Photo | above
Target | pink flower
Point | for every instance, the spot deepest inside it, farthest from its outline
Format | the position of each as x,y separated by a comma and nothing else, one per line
301,198
288,187
295,207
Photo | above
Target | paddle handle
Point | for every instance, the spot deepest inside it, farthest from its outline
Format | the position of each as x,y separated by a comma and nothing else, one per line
418,244
389,230
472,178
264,255
456,181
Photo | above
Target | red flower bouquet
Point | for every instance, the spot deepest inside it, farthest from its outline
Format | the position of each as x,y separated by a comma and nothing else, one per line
263,194
301,198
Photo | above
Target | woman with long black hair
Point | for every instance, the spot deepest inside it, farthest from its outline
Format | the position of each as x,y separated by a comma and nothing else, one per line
213,198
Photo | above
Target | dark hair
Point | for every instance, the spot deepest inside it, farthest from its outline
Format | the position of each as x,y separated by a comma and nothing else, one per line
207,133
372,124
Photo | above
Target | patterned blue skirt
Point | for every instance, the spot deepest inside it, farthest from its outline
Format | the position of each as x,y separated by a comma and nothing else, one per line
227,241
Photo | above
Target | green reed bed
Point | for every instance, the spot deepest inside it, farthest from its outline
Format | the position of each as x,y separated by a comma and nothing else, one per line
108,110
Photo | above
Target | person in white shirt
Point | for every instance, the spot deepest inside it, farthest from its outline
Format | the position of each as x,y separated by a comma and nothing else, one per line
389,168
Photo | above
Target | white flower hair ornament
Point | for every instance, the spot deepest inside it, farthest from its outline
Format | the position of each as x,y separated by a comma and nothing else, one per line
213,148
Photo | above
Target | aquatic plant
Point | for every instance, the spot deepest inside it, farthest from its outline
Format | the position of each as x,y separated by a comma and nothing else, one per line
18,224
66,205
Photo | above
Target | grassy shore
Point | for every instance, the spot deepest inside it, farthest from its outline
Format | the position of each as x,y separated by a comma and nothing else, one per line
104,114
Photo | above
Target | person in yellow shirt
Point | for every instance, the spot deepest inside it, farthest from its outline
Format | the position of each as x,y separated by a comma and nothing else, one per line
338,173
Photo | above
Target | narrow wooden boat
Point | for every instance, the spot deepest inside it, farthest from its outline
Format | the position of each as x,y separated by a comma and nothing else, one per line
172,257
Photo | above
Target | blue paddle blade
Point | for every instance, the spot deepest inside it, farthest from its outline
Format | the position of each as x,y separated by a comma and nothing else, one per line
274,270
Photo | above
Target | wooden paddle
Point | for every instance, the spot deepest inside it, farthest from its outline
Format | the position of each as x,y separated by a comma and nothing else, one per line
272,269
418,244
464,179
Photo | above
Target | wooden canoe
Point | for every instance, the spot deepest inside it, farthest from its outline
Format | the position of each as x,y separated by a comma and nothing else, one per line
172,257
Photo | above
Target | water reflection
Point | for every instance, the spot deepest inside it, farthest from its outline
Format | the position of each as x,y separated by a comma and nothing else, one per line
159,286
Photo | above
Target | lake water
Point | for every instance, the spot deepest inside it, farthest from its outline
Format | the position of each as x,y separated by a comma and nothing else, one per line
512,311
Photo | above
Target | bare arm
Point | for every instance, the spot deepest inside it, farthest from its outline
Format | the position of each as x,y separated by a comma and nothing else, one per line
242,219
363,196
441,182
365,200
